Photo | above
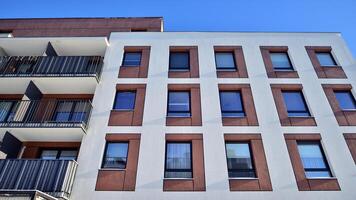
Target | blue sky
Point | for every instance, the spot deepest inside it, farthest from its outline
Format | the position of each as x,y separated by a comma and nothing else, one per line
207,15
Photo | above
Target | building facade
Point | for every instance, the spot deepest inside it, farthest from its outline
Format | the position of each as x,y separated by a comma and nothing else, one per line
173,115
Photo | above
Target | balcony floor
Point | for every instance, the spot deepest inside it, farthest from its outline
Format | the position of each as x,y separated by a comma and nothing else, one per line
45,134
49,85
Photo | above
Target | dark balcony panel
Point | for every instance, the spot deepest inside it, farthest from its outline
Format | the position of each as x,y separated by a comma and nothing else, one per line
51,66
54,177
45,113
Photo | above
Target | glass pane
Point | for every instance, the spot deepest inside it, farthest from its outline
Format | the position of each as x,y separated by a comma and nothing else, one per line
225,60
346,100
63,111
231,104
116,155
68,155
317,174
49,154
24,68
239,160
79,113
179,104
295,104
178,160
179,60
5,107
125,101
313,160
132,59
281,61
325,59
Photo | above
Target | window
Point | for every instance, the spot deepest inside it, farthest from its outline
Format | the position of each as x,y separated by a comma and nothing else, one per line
281,61
71,111
178,104
59,154
225,60
295,103
231,104
115,155
179,61
325,59
7,110
346,100
125,100
178,160
239,162
313,159
132,59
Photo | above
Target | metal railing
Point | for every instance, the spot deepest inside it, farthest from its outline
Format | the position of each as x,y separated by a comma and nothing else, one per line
45,113
54,177
51,66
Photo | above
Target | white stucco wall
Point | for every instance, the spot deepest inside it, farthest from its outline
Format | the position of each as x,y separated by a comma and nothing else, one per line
150,172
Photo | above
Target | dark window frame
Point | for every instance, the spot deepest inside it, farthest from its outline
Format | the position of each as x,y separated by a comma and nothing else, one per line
331,56
242,104
13,105
226,68
241,170
124,58
351,95
179,69
72,111
174,112
327,166
178,170
307,111
104,155
291,68
122,91
59,150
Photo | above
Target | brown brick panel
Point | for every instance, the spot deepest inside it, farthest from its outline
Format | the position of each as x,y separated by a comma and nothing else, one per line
67,96
343,117
271,73
11,96
240,63
74,27
281,107
197,183
193,62
324,72
351,143
139,71
248,104
196,118
121,180
175,185
303,183
263,181
134,117
110,180
33,149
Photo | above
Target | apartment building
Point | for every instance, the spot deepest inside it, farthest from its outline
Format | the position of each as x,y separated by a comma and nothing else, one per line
172,115
49,72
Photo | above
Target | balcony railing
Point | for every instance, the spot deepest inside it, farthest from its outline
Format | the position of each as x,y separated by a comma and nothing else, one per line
45,113
54,177
51,66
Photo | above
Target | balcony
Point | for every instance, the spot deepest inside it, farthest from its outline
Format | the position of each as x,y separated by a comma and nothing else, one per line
51,66
53,177
41,120
55,65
